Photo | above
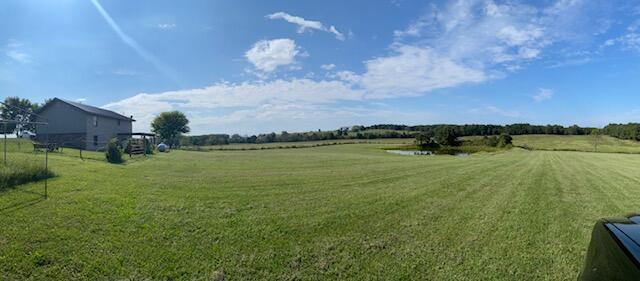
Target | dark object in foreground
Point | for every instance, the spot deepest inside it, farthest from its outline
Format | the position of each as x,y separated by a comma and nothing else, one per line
614,251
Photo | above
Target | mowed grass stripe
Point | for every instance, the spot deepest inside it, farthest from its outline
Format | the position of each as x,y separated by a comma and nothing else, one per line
337,212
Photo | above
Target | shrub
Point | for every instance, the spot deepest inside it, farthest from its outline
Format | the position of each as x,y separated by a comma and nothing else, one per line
504,140
148,147
491,141
21,173
114,155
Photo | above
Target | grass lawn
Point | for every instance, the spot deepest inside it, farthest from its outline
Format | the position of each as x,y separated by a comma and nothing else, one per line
577,143
331,212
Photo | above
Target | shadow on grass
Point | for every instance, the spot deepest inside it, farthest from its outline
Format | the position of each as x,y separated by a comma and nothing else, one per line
21,205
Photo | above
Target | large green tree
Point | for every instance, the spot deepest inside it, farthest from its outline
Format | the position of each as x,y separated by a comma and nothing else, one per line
446,135
20,110
170,126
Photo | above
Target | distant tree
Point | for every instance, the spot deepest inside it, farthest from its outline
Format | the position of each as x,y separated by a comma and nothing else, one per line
235,138
597,138
446,135
504,140
424,140
284,136
170,126
20,110
357,128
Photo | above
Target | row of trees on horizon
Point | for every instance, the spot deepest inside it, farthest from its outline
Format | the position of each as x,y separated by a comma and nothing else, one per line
623,131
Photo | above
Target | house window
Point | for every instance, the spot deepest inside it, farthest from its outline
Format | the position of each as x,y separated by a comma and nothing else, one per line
118,122
95,121
95,140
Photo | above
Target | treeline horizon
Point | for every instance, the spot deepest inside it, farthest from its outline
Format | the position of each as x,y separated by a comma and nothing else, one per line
379,131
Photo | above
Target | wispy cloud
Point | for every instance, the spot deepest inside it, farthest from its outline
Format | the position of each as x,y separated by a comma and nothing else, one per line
18,56
267,55
248,99
543,95
328,66
629,41
143,53
13,50
126,72
166,26
304,24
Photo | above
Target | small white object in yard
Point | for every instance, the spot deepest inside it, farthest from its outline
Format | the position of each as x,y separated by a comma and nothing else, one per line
162,147
27,135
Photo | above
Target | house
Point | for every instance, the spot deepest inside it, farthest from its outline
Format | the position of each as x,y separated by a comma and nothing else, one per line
72,124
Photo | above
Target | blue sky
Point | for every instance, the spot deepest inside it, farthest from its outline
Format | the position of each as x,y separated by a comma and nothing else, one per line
260,66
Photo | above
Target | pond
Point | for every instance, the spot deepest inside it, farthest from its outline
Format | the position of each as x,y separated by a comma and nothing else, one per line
411,152
425,152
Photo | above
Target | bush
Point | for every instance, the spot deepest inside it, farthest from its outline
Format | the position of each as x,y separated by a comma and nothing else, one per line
491,141
114,155
504,140
148,147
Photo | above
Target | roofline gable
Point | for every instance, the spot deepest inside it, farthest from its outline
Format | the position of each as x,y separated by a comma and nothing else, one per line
77,106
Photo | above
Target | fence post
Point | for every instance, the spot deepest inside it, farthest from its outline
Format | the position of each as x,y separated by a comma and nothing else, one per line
5,144
46,170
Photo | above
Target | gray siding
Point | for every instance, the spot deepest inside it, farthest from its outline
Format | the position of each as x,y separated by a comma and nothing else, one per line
107,129
70,126
63,119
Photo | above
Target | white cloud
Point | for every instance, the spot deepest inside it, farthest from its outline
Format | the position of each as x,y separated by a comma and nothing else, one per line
414,70
417,28
458,43
13,50
267,55
81,100
347,76
304,25
244,97
166,26
18,56
543,95
328,66
414,30
629,41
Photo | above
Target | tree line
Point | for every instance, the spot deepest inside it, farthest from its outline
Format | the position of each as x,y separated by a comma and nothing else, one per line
284,136
488,129
630,131
389,131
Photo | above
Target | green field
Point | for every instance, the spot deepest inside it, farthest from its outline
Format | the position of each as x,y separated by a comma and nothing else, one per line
332,212
576,143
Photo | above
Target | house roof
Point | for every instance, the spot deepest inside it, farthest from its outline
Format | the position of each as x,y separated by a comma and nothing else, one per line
88,109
